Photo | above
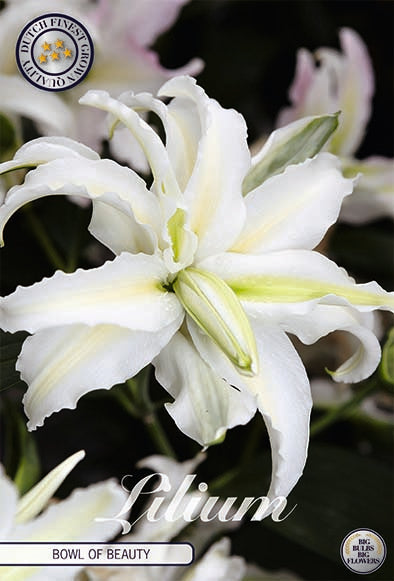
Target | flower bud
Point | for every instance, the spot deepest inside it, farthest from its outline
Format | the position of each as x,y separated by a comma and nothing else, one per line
217,311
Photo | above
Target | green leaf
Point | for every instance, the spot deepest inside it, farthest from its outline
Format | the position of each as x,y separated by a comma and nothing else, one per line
10,347
387,363
28,471
290,145
21,458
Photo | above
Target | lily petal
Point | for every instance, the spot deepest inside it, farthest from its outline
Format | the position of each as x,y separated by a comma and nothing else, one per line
373,196
355,92
286,416
218,565
127,292
176,234
299,89
74,518
8,504
149,141
308,193
146,19
31,503
126,29
114,224
61,364
343,82
205,405
50,113
182,127
86,178
213,192
325,319
293,281
282,394
44,149
70,520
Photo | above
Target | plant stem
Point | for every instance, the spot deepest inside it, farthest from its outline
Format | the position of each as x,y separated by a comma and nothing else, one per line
126,403
143,407
42,237
158,435
224,479
344,409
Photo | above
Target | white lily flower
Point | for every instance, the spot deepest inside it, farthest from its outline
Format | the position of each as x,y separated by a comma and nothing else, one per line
344,81
24,520
205,283
122,31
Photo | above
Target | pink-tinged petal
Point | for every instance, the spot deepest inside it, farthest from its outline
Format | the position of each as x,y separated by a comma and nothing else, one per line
139,20
126,291
61,364
299,88
343,82
355,92
373,196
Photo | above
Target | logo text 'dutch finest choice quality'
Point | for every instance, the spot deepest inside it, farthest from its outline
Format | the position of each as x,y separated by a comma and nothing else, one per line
54,52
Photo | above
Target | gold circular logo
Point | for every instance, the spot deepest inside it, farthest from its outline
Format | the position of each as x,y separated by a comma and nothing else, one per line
363,551
54,52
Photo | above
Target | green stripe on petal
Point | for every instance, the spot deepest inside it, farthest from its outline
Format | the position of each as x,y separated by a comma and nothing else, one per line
283,289
217,311
176,232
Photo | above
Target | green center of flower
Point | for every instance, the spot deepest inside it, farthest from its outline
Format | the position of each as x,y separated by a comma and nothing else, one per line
216,310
